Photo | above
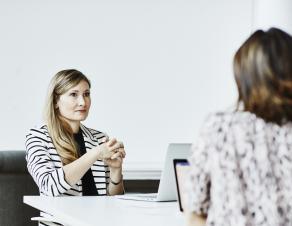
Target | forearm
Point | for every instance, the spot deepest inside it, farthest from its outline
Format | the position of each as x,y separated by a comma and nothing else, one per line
75,170
51,182
116,177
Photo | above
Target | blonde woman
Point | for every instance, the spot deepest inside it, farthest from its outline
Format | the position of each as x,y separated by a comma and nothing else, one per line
66,158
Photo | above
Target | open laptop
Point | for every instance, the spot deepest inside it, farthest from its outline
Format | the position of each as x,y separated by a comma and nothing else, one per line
181,170
167,187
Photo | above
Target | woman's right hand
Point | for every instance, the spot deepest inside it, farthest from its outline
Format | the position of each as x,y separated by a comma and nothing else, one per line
108,149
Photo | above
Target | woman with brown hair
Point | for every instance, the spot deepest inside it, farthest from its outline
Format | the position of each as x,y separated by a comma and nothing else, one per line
241,166
66,158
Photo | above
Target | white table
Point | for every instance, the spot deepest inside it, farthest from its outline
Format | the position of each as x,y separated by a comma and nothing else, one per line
108,211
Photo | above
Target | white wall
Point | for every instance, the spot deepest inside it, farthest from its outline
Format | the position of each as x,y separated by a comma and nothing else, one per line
273,13
157,67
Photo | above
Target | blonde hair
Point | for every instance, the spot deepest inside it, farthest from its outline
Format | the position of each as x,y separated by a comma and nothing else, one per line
59,130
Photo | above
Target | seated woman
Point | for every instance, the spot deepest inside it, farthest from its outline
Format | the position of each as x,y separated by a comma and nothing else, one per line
66,158
241,166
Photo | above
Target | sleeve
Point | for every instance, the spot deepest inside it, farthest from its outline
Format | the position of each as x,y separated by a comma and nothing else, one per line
199,182
50,180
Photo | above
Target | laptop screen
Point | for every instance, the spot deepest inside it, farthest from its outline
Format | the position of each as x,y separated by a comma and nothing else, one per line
167,185
181,168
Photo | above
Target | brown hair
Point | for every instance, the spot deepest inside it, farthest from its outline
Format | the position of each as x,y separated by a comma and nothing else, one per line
263,74
59,130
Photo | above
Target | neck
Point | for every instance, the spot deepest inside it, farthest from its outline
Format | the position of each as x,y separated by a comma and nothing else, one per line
75,126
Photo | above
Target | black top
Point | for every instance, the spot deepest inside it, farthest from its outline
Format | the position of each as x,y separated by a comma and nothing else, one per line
88,184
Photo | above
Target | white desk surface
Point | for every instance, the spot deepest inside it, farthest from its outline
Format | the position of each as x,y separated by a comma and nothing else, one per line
107,211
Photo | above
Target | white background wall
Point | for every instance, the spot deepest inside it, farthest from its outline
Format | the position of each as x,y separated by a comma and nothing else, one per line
157,67
273,13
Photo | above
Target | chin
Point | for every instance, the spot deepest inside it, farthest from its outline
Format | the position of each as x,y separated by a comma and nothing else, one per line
81,118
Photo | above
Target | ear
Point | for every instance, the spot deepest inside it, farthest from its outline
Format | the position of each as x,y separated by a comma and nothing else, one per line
56,105
56,100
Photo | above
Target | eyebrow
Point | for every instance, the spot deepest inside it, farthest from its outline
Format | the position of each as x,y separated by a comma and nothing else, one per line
75,90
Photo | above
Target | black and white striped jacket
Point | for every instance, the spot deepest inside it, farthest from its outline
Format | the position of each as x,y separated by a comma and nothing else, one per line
45,166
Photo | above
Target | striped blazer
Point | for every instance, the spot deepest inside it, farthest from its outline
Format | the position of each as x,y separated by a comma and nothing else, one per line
45,166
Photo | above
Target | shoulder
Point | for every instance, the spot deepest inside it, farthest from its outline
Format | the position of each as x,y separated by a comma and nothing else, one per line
38,131
92,133
230,117
223,126
222,122
215,119
38,134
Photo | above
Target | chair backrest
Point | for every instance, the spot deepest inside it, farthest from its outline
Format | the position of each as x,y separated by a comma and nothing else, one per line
15,182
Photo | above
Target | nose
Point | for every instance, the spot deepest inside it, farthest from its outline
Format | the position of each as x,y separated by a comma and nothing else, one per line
81,101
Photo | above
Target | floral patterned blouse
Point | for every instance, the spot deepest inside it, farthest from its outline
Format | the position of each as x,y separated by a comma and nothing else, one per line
241,171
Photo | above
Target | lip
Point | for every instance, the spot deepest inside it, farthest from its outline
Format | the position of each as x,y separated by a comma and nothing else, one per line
82,111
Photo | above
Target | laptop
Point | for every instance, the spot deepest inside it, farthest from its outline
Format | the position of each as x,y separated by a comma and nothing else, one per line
181,170
167,185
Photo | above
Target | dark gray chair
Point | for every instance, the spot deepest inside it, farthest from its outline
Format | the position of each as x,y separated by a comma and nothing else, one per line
15,182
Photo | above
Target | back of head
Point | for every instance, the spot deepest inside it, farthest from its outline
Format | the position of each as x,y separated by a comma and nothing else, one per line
263,74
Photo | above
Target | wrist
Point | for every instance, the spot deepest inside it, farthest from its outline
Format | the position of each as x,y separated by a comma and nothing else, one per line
115,182
116,174
99,153
115,171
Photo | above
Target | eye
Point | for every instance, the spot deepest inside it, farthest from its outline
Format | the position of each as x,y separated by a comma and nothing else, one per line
87,94
73,94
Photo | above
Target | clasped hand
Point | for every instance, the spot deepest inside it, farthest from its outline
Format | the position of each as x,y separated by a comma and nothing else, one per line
112,153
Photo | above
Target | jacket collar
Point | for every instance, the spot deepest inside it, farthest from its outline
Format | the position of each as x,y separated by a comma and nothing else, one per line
86,132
